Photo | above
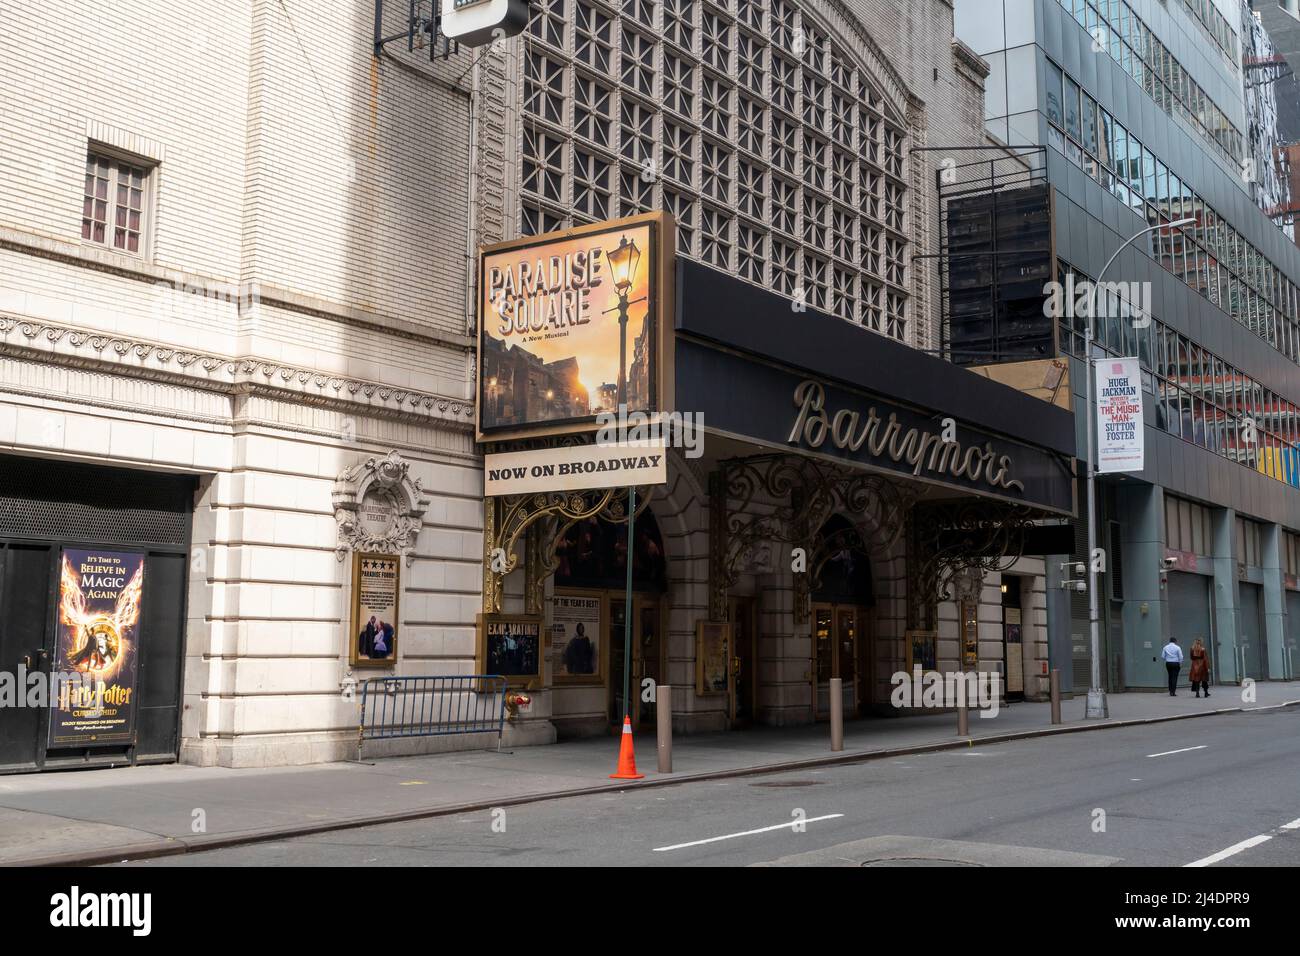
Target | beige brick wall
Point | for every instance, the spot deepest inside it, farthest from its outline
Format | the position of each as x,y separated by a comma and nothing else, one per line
301,305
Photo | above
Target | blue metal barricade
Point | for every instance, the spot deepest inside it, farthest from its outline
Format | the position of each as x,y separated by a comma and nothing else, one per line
431,707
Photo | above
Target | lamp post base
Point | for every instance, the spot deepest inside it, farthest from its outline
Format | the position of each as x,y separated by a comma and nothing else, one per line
1097,707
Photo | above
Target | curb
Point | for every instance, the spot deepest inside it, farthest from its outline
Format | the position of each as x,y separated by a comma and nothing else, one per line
175,846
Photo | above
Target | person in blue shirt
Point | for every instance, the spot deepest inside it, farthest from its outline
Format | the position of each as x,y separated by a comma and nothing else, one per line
1173,655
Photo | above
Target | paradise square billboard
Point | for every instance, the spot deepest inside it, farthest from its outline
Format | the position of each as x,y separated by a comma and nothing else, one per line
573,324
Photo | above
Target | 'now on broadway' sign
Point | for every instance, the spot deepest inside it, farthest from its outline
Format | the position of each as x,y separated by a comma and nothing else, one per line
577,468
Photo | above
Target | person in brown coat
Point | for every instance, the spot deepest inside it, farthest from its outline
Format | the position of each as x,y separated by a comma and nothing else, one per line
1200,674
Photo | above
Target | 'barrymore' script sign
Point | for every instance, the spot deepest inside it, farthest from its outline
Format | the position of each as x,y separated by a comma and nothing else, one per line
939,454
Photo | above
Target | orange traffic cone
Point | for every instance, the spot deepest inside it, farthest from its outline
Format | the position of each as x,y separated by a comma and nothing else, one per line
626,758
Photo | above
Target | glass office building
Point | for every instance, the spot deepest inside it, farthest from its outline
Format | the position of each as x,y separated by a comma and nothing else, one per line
1149,114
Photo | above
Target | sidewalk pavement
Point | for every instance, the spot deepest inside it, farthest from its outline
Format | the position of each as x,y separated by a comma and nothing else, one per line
97,816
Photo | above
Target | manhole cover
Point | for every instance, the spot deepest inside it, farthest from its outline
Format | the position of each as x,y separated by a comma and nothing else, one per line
789,783
918,861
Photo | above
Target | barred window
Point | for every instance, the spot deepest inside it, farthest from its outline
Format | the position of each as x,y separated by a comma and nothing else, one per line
717,110
717,42
784,198
592,185
637,122
636,190
678,15
785,268
591,116
638,62
716,175
750,113
815,216
750,52
679,146
715,237
544,88
594,45
679,85
548,22
543,164
814,161
114,203
751,13
785,143
537,220
752,249
752,186
642,11
783,82
814,102
683,210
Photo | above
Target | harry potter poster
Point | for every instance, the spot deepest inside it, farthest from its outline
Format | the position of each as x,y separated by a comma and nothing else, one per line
98,640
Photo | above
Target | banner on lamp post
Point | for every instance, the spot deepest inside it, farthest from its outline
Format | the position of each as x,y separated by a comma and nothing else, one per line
1120,445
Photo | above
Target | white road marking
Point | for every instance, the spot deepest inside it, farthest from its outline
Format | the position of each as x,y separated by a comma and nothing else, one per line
1293,825
1184,750
732,836
1231,851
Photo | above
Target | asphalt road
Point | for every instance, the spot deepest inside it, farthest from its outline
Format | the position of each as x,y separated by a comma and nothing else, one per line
1038,801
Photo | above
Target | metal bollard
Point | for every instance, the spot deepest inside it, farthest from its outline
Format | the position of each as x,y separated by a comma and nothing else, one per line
963,720
837,714
1056,695
664,726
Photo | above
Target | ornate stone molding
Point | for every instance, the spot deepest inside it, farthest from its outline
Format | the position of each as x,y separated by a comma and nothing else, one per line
379,507
99,351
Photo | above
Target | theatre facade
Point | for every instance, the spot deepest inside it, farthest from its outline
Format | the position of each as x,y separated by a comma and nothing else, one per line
833,504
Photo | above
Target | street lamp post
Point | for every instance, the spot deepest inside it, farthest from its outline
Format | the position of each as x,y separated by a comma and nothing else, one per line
623,263
1097,706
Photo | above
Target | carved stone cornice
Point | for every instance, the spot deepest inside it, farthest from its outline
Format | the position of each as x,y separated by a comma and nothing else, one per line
138,358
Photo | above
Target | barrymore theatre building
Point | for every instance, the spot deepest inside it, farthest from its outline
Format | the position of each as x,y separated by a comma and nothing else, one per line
829,504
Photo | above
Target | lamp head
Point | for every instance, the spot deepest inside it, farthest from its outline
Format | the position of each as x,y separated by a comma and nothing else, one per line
623,263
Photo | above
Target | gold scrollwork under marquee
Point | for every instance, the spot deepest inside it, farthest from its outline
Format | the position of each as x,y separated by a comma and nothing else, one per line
801,493
549,514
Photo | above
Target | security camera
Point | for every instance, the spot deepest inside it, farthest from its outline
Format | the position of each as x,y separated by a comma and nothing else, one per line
1168,564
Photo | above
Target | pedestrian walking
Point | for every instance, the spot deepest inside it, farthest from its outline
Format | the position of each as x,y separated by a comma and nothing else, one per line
1200,672
1173,655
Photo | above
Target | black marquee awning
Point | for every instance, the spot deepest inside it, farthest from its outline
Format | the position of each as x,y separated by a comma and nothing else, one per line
757,369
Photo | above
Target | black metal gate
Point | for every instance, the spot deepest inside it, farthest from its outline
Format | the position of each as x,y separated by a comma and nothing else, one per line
46,506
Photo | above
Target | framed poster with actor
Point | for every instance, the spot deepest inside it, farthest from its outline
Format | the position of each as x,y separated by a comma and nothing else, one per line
510,645
577,625
376,591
